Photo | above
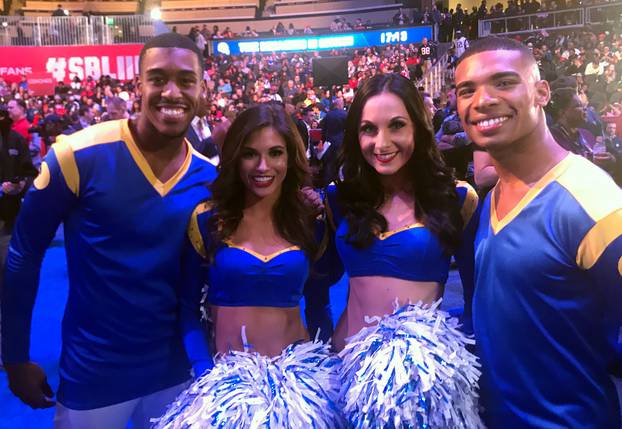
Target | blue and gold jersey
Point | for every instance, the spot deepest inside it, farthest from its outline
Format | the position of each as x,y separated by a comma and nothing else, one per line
548,299
124,235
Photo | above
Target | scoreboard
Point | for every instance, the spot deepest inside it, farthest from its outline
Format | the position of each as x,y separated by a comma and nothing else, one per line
359,39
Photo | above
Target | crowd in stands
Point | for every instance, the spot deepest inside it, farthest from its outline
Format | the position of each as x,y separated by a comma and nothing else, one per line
588,62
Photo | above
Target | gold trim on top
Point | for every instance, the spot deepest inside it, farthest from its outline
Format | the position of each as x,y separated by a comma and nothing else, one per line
194,232
599,196
598,238
469,205
387,234
68,167
145,168
496,224
261,257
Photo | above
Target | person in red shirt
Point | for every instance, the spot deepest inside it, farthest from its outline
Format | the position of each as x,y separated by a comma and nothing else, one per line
17,112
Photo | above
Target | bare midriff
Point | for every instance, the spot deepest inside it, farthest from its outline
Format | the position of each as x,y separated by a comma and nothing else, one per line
376,296
269,330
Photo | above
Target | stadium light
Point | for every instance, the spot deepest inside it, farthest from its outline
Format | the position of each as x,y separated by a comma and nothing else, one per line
156,14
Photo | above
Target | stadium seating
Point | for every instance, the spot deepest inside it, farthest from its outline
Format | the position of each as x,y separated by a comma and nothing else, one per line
289,7
114,7
188,9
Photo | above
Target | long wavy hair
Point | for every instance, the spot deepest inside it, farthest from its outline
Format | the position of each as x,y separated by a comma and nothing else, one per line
360,191
292,217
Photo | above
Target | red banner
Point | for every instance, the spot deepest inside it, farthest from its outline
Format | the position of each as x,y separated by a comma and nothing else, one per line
41,83
65,62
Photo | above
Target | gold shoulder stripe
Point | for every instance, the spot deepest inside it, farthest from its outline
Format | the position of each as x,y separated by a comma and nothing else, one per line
593,189
106,132
67,161
194,233
470,202
596,241
43,179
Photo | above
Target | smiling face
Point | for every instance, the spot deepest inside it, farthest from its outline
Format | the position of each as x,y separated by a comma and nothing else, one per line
386,134
500,97
263,164
170,86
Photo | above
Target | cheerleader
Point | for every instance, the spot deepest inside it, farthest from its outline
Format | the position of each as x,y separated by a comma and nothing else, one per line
256,240
399,216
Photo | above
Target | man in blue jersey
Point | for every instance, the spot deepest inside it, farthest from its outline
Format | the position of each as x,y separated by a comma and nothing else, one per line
125,192
548,289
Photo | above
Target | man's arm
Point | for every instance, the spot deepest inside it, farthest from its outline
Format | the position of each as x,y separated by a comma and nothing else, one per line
465,254
45,206
192,281
600,254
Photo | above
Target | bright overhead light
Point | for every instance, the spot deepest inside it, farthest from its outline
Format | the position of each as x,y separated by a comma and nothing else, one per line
156,13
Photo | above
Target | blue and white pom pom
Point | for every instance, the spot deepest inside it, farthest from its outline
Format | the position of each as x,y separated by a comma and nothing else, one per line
298,389
411,370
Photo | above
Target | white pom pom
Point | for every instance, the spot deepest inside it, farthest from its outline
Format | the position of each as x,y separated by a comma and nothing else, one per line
298,389
411,370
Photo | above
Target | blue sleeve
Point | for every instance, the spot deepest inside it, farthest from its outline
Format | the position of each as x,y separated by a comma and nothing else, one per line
45,206
193,275
465,254
603,257
326,271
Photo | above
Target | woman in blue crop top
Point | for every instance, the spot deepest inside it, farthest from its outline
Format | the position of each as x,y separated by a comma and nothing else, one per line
399,216
256,240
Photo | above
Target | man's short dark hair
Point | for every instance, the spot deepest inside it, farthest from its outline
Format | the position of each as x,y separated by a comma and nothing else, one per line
172,40
495,43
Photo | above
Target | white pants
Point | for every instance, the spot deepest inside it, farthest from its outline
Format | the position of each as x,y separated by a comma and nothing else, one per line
138,411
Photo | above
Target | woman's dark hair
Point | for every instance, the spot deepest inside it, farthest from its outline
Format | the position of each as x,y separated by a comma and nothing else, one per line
293,218
360,191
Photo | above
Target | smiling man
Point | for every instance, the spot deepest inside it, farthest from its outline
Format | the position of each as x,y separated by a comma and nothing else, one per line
548,284
125,192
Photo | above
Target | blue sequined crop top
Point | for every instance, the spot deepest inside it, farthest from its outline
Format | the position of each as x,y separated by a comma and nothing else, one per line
240,277
410,253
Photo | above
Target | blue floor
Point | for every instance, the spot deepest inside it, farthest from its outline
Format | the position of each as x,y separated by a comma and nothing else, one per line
45,348
46,344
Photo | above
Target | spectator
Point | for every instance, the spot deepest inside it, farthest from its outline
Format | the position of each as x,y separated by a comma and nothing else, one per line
594,67
569,115
430,108
84,120
17,113
460,44
453,142
59,11
427,53
116,108
400,18
324,154
248,32
16,172
613,145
